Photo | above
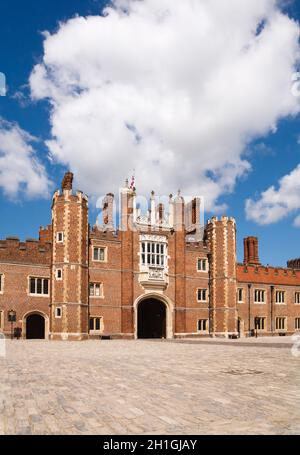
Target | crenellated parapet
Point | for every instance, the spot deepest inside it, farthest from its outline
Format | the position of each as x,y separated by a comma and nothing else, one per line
267,275
31,251
98,233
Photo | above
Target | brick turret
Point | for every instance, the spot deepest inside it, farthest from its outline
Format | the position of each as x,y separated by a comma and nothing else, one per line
127,196
221,235
69,263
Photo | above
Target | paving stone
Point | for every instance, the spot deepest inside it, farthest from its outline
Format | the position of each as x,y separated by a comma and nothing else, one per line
145,387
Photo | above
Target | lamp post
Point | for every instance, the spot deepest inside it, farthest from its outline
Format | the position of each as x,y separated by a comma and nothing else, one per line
12,317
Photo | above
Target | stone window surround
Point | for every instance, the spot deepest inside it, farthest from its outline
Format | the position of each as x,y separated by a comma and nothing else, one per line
105,253
284,297
206,325
297,297
265,296
206,295
57,237
153,238
285,323
206,267
55,312
38,295
264,323
101,296
56,274
94,331
238,291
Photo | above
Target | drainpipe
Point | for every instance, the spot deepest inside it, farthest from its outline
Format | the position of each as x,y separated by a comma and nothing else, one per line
89,245
210,313
249,308
272,309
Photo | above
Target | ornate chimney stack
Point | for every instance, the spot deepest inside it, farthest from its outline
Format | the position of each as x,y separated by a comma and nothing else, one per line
67,181
251,251
108,211
161,213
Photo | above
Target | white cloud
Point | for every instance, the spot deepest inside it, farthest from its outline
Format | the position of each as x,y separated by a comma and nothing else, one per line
297,221
175,89
21,173
275,204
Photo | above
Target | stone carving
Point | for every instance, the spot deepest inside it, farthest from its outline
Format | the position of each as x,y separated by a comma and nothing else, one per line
153,238
156,274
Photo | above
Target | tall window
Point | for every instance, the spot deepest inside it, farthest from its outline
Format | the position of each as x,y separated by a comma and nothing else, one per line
1,319
297,298
202,265
297,323
260,323
95,324
240,292
58,312
1,283
280,323
153,254
39,286
96,289
60,237
58,274
99,254
280,297
259,296
202,295
202,325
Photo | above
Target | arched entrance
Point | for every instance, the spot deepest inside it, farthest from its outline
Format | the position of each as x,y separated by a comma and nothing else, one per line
35,327
152,319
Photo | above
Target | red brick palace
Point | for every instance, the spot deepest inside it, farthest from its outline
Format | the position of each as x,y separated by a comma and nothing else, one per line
158,275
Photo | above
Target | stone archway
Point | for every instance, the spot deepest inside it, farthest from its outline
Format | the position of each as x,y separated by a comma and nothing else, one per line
36,326
153,317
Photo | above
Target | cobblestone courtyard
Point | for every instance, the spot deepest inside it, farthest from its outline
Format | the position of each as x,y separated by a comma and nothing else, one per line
148,387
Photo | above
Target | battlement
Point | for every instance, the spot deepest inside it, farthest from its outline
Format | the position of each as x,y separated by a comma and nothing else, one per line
45,233
99,233
70,195
267,274
197,246
32,251
222,219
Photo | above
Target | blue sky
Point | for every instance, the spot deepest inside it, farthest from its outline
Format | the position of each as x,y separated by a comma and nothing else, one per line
21,47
